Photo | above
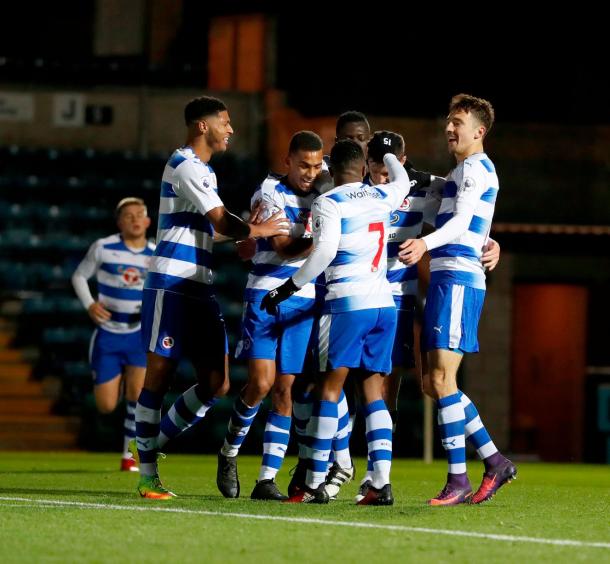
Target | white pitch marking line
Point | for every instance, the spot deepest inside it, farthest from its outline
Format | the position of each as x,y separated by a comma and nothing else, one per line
306,520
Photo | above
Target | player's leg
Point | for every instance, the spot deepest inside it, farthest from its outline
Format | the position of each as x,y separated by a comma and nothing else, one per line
295,323
258,345
498,469
442,332
105,360
376,362
163,315
134,371
133,378
209,357
339,347
302,408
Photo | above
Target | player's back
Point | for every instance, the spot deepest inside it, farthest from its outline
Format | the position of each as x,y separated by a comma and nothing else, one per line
474,182
356,277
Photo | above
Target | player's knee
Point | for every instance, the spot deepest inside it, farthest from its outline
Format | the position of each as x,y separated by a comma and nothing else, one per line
439,380
105,406
221,387
259,388
282,399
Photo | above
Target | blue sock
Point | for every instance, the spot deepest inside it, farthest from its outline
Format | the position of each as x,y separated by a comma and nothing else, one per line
239,425
321,429
148,416
451,423
129,426
341,439
302,406
379,441
187,410
275,443
477,434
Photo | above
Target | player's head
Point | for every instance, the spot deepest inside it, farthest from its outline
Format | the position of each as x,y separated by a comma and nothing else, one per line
383,142
347,163
132,217
208,117
468,122
304,160
353,125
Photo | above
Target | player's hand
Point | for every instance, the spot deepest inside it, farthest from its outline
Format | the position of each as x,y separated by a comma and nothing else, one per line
256,214
491,255
278,295
411,251
277,224
98,313
419,179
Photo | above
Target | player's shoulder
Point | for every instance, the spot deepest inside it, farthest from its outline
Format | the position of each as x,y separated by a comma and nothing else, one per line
479,163
187,164
271,183
151,245
113,239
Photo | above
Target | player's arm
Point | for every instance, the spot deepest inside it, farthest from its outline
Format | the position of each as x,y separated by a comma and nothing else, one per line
326,235
399,185
85,270
200,193
469,193
296,243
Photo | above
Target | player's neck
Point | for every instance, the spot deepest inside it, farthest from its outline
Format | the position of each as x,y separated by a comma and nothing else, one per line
346,178
472,150
134,243
200,148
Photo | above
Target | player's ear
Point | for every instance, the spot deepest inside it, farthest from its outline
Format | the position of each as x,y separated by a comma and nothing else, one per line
147,222
363,171
480,132
402,160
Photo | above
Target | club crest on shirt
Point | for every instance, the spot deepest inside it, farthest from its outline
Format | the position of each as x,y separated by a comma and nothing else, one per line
406,204
130,275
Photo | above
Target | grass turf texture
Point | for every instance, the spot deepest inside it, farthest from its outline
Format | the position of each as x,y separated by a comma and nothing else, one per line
570,502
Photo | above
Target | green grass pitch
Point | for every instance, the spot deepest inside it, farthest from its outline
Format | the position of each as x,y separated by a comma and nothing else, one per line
77,507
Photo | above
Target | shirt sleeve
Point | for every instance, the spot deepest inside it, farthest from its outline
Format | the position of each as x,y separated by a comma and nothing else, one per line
399,185
197,184
85,270
326,227
469,194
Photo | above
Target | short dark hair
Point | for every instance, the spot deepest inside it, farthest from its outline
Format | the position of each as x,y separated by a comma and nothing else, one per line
204,106
384,142
344,154
479,107
351,116
305,141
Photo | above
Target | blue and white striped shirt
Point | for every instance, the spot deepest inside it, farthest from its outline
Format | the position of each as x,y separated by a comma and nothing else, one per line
120,273
182,262
269,269
471,190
